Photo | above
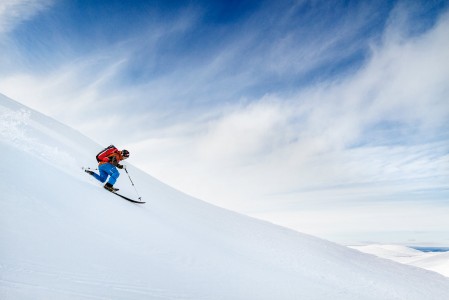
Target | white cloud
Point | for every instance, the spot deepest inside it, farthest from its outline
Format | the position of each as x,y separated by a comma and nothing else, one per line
404,223
244,132
377,127
13,12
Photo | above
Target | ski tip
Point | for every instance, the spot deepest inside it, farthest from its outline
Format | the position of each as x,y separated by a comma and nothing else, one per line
138,202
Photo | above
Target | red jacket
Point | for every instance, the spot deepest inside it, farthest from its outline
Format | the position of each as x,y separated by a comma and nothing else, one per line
113,158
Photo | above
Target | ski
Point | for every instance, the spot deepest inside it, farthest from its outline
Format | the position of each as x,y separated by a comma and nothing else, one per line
126,198
89,171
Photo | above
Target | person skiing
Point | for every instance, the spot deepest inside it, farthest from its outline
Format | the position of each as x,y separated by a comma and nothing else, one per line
108,162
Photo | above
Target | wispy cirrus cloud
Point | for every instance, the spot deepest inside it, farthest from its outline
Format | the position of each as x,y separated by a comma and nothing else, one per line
375,137
13,12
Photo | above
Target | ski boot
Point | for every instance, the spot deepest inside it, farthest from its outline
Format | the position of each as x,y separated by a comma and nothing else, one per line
89,172
110,187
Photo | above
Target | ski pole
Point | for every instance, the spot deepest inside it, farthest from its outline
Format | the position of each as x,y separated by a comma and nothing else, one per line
132,183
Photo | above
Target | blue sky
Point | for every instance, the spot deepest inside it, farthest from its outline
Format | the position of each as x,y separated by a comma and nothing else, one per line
329,117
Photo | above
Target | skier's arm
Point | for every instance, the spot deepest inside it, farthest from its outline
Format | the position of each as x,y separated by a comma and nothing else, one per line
114,159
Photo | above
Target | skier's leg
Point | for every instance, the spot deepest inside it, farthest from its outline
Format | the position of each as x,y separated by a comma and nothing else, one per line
103,173
102,177
114,173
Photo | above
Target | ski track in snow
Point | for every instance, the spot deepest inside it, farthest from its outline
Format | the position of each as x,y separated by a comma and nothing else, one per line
64,237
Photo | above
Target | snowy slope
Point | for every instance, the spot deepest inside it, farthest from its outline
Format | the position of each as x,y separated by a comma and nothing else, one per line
64,237
438,262
394,252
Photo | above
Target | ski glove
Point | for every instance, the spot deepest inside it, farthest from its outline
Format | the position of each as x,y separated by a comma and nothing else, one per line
120,166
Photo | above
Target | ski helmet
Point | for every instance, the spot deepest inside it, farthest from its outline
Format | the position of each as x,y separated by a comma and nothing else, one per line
125,153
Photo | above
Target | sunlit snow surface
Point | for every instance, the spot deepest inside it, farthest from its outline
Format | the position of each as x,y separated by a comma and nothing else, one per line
64,237
434,261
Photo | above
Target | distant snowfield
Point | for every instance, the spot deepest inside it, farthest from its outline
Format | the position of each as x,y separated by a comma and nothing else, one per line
434,261
64,237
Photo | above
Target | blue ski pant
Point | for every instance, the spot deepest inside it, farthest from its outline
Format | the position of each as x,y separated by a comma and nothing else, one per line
105,171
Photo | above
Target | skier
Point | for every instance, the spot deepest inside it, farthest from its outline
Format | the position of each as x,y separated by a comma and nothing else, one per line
108,162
